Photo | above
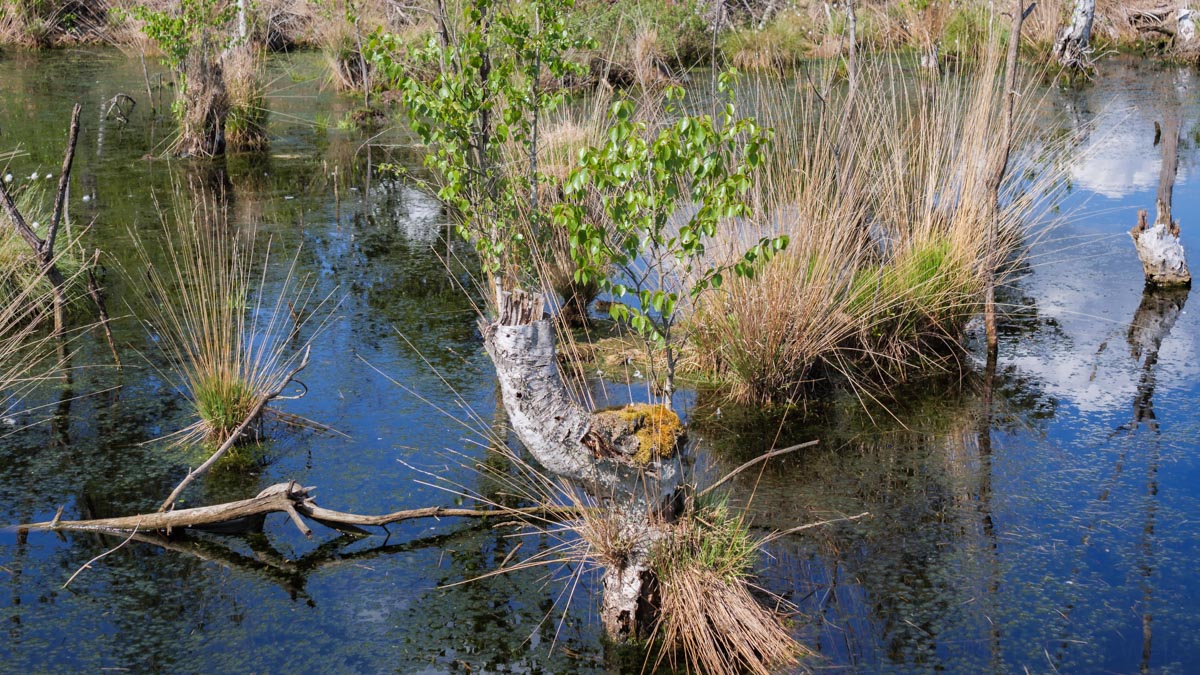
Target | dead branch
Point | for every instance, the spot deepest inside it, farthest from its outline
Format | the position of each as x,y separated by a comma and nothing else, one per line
289,498
756,460
44,249
97,296
88,564
255,412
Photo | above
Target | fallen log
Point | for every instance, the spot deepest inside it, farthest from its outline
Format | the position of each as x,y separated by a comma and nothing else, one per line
289,498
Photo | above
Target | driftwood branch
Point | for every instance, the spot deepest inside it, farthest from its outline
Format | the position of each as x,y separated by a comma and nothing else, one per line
255,412
289,498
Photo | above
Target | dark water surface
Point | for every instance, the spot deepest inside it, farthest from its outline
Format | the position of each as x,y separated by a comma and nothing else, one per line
1054,530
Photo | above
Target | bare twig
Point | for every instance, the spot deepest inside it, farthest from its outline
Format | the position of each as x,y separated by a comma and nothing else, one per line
88,564
98,298
756,460
808,526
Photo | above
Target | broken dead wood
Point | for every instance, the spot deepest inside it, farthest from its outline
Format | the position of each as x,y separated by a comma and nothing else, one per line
43,249
1072,49
1019,12
1158,246
289,498
251,418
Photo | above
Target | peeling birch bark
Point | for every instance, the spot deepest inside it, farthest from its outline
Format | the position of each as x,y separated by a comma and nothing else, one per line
1072,49
563,437
576,444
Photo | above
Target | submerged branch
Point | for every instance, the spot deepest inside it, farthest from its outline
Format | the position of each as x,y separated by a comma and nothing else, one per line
288,498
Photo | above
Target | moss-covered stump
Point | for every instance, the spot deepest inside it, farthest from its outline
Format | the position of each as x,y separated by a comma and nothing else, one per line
638,432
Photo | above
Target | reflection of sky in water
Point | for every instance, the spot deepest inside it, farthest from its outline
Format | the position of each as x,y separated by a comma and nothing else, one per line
1086,278
1117,119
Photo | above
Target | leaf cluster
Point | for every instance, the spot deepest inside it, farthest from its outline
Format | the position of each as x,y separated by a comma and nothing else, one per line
664,196
488,94
178,30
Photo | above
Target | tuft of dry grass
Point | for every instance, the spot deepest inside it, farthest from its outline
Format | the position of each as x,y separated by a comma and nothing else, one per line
883,193
232,334
246,123
707,615
26,349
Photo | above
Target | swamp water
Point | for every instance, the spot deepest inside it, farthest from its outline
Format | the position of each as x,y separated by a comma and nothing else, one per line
1055,529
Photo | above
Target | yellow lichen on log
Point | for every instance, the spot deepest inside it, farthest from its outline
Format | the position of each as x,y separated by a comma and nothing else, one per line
640,432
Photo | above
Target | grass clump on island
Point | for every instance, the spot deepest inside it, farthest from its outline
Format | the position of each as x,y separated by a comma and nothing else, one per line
884,195
709,619
232,332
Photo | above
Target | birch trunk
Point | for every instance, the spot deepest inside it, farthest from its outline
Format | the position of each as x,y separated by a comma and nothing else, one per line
1072,49
585,447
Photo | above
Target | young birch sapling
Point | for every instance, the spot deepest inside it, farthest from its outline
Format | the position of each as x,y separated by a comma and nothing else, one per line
664,197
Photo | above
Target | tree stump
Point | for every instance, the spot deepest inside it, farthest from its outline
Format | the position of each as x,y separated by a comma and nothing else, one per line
1161,252
1072,49
1158,246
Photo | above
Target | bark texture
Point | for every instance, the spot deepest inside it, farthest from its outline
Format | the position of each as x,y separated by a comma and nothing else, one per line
1158,246
564,438
1073,49
596,450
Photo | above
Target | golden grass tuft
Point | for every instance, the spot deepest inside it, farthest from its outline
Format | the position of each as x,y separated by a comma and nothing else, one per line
707,615
246,123
884,196
231,332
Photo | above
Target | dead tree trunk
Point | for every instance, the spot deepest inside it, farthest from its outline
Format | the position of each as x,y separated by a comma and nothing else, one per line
597,450
1072,49
1186,46
996,179
204,100
1158,246
44,248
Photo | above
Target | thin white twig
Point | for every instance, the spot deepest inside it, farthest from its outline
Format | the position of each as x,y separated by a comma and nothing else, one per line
88,564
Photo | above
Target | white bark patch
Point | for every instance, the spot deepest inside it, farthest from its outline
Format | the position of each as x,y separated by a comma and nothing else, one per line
1161,254
1186,26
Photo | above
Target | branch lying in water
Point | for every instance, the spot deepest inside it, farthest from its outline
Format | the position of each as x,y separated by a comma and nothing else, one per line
289,498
